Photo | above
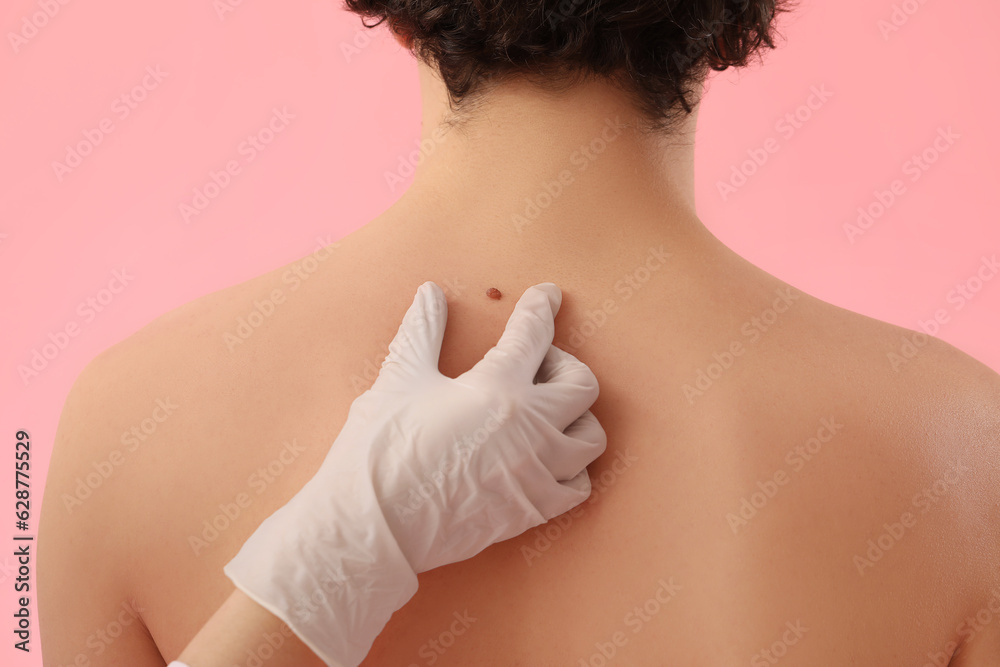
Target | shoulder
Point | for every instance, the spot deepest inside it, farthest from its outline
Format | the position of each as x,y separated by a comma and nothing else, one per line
917,367
906,481
123,410
165,424
85,590
167,372
185,367
919,408
911,403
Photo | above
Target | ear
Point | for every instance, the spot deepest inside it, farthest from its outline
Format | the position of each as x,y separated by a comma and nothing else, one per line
403,36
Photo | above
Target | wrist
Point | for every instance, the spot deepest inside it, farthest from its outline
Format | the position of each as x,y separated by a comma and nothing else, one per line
328,565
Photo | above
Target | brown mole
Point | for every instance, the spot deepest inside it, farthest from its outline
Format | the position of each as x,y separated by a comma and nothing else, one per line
493,293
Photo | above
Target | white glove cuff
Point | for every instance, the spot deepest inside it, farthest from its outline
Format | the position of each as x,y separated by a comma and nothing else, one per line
334,579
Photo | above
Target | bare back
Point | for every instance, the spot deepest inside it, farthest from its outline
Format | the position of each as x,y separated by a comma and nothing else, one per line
773,489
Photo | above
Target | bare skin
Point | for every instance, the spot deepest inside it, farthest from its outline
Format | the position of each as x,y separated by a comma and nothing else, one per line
667,565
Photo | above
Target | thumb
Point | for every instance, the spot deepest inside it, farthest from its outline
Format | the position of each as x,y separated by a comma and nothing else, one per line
527,337
416,348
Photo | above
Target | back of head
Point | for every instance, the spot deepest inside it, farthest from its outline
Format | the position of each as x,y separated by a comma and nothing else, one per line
657,51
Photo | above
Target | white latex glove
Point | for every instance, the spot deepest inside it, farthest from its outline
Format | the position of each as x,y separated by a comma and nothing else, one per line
427,471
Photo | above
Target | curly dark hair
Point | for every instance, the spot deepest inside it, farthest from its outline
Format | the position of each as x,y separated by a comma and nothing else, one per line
657,51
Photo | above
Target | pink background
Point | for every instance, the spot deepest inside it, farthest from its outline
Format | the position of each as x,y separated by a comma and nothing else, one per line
356,114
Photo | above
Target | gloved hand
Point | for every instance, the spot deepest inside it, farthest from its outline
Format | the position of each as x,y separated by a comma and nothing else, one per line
426,471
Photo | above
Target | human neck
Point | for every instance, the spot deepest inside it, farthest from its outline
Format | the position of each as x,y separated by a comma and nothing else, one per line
528,164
